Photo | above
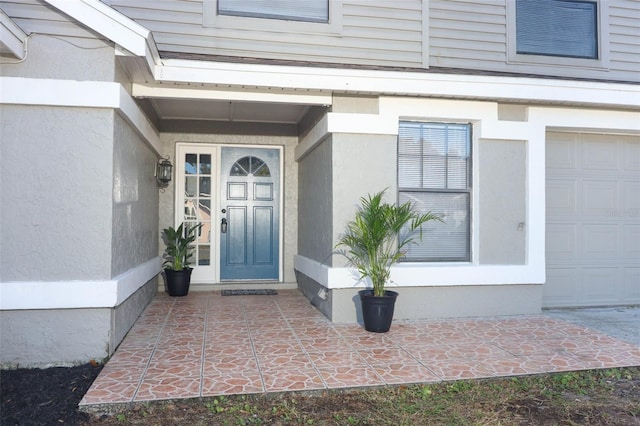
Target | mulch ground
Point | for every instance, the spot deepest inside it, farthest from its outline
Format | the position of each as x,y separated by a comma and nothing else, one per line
45,396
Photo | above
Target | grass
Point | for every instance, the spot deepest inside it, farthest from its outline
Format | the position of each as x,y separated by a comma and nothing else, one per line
602,397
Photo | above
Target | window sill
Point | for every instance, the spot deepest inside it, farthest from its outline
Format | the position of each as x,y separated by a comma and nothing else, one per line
559,61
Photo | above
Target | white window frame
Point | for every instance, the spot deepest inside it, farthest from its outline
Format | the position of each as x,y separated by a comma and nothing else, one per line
600,63
333,27
470,190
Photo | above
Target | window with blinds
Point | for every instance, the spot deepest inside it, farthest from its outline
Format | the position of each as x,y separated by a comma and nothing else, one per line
434,174
291,10
567,28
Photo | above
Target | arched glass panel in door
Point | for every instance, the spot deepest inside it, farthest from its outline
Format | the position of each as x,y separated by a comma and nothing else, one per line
250,166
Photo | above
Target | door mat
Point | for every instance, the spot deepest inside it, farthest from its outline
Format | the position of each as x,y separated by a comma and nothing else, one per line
258,292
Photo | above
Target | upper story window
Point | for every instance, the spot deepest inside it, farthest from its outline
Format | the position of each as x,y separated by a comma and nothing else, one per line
567,28
290,10
235,18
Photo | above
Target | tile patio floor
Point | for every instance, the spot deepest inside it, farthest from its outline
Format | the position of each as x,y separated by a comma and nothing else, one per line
206,344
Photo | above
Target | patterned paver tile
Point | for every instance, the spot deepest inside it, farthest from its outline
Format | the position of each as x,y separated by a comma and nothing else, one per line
350,376
204,344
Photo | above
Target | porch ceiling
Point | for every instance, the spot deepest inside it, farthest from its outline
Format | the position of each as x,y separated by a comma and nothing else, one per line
227,110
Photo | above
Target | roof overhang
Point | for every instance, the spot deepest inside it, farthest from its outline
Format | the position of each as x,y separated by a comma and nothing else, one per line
255,85
124,32
12,39
304,79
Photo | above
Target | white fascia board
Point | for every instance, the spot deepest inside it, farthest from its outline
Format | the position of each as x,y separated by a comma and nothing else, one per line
72,93
69,93
377,124
112,25
573,119
77,294
515,89
151,91
12,38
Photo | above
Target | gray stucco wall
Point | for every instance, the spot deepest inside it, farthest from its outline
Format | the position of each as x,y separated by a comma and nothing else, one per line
315,207
64,58
40,338
445,302
79,202
125,315
503,192
55,183
135,200
361,165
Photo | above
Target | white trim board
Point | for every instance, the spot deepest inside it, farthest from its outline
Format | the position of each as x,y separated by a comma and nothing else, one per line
180,92
77,294
71,93
424,275
139,41
12,38
112,25
507,89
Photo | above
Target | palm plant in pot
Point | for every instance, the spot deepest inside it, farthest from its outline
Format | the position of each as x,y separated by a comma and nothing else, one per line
375,239
177,258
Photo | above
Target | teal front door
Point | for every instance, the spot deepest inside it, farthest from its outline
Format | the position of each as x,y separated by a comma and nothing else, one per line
250,213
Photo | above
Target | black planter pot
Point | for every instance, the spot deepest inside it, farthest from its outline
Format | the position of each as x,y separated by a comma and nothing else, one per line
178,281
377,311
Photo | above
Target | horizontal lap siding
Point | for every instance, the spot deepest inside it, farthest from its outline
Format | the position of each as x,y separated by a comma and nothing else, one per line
373,33
467,34
624,23
33,16
463,34
472,34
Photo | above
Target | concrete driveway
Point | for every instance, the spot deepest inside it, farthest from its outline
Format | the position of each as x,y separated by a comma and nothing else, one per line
620,322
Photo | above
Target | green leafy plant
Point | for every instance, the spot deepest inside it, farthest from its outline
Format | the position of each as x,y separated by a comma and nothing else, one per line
179,246
379,235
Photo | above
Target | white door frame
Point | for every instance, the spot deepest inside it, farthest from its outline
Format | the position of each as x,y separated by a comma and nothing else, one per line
211,274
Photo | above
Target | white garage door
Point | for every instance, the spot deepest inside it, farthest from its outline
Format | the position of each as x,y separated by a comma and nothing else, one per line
593,220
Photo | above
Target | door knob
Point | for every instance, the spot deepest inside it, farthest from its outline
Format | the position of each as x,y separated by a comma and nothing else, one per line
223,226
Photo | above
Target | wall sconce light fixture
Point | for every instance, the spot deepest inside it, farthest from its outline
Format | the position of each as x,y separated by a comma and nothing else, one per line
163,172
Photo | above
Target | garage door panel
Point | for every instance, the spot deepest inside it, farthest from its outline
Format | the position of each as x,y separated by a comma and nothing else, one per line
592,251
599,197
599,241
631,157
600,285
561,197
632,278
562,239
561,287
631,242
561,152
599,153
630,199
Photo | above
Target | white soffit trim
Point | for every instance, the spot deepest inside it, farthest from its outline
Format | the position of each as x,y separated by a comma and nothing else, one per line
151,91
514,89
12,38
77,294
113,25
71,93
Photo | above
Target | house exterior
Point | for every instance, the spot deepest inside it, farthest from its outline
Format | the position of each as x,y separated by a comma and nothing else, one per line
277,120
